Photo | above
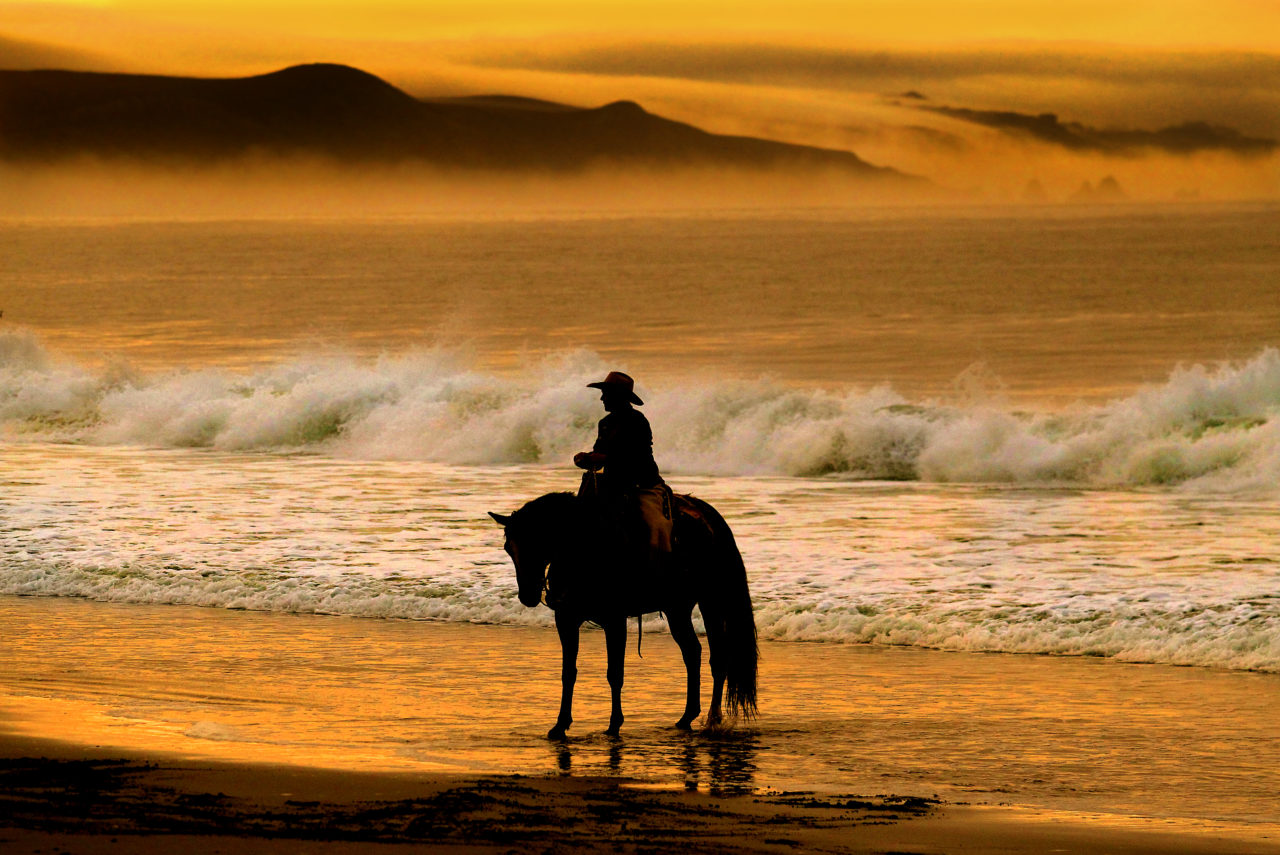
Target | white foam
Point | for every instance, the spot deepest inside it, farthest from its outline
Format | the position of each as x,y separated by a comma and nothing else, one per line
415,599
1212,428
1238,637
1242,635
215,732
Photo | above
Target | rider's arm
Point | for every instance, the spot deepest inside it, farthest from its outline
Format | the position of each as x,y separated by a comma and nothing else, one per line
597,456
589,459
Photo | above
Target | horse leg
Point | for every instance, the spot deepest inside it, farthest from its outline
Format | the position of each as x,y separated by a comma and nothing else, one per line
715,636
691,650
615,641
567,628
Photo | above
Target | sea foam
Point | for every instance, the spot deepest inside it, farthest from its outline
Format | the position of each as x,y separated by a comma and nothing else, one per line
1213,427
1239,635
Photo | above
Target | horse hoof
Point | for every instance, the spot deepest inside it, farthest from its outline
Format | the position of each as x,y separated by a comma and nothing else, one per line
684,724
557,734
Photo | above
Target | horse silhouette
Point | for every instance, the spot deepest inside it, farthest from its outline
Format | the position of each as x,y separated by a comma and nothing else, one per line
568,555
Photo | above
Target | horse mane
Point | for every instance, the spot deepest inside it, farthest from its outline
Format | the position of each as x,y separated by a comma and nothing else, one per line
543,505
545,512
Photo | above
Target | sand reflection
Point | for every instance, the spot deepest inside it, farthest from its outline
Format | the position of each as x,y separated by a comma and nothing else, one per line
719,763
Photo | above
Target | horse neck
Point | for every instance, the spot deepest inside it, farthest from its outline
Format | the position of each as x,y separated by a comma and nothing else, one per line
557,519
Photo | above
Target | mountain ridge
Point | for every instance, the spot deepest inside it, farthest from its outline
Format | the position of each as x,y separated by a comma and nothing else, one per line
352,116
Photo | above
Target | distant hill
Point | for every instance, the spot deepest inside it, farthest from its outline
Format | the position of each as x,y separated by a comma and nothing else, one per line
346,114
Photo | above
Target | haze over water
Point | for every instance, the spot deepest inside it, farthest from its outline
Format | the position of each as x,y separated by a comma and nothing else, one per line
1044,304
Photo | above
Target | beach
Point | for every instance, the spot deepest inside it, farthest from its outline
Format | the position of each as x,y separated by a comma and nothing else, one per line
165,727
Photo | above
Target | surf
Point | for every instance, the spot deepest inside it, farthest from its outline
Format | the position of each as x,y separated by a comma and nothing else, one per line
1211,427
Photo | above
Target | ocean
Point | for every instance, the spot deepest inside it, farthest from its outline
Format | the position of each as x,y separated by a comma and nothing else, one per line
1025,430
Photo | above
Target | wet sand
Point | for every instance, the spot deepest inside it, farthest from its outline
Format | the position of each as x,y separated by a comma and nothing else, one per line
74,798
132,728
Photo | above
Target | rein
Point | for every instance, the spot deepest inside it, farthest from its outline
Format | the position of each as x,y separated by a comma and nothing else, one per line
546,586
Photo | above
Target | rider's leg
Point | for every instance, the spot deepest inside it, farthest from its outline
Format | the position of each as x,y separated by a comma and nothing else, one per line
655,512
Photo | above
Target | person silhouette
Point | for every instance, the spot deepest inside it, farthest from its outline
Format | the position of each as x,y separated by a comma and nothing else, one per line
630,485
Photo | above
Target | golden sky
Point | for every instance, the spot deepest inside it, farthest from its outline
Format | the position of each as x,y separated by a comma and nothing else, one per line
811,71
1253,24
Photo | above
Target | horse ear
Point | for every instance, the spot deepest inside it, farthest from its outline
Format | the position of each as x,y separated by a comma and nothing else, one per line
500,519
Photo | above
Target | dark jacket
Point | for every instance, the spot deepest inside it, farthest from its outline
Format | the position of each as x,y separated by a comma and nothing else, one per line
626,440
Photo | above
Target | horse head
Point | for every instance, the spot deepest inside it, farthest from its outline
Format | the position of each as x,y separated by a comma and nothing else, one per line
529,555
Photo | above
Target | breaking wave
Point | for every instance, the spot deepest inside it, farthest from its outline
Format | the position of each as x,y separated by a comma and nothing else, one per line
1216,427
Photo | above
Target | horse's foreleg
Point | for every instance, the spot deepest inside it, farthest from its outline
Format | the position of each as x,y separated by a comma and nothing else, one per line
567,628
691,650
615,640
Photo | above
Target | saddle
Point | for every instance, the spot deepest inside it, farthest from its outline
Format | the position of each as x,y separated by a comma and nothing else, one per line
688,523
581,585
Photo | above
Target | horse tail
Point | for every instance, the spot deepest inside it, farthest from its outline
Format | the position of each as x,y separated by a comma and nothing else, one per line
731,609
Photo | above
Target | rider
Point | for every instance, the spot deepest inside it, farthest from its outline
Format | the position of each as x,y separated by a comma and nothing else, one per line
624,449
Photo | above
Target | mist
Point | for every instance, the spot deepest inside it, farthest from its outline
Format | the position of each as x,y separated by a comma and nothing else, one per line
811,90
989,165
299,187
993,170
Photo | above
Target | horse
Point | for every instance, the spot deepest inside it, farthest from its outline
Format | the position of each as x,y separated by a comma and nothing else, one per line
567,556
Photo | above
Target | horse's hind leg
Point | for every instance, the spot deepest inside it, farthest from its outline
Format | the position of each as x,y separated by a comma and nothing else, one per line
615,642
681,624
567,628
715,641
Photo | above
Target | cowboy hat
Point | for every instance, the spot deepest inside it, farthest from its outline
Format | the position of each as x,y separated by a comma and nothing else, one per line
619,382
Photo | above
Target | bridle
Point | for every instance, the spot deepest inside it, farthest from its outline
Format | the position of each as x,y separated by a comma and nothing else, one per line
544,586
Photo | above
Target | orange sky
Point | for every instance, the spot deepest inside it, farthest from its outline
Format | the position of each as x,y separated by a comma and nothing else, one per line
1252,24
811,71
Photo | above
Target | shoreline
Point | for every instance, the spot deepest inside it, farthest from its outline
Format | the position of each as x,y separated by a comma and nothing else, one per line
279,733
64,796
89,799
